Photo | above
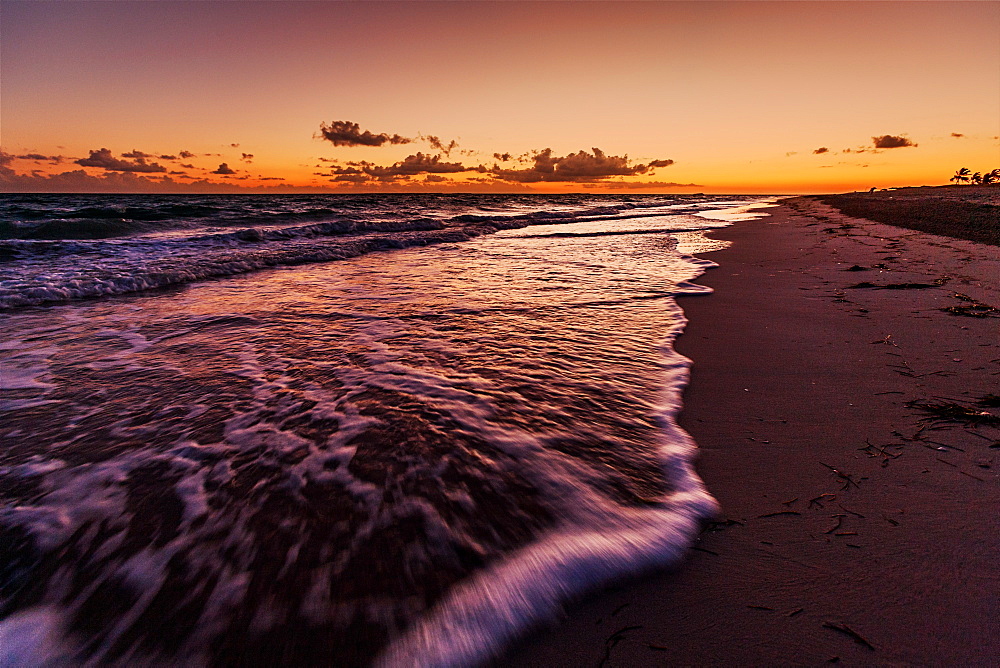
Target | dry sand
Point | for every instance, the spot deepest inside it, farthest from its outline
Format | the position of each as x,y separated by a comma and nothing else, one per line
843,509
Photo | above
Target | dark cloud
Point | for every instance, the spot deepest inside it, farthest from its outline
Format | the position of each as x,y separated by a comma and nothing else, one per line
5,159
346,133
328,160
435,178
223,169
247,157
54,159
105,160
438,145
417,164
576,167
178,173
957,134
412,165
891,141
168,157
135,153
235,145
188,165
186,154
271,178
503,157
821,149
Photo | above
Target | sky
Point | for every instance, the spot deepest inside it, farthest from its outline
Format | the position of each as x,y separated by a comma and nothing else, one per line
287,96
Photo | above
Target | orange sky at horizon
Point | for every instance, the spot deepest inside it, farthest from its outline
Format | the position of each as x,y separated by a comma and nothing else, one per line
738,95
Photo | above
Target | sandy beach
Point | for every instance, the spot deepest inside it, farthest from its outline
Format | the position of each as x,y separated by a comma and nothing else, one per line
843,396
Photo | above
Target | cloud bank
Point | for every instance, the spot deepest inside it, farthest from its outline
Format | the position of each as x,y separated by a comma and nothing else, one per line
105,160
576,167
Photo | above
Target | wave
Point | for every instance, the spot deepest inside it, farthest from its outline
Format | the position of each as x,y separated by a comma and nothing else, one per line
115,222
81,218
426,478
58,261
600,544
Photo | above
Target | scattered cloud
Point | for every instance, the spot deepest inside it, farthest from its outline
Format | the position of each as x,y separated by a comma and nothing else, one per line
247,157
223,169
438,145
188,165
186,155
236,145
135,153
346,133
54,159
178,173
575,167
821,150
168,157
503,157
891,141
105,160
957,135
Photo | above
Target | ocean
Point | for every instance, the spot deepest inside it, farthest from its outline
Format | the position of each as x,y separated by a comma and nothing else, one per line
336,430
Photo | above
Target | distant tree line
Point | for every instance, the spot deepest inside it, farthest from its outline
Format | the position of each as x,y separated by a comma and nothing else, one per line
965,175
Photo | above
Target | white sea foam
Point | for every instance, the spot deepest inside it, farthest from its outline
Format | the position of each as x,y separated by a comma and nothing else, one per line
597,543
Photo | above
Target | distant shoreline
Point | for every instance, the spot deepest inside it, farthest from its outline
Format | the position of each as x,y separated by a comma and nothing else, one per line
963,212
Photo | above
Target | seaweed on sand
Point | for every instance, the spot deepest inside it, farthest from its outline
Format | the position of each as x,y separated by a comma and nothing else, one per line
989,401
973,308
900,286
950,411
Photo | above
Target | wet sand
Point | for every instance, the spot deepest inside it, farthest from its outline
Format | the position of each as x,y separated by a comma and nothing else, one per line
855,528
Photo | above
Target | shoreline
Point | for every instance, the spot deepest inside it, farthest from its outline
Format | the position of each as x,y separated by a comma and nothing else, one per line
853,527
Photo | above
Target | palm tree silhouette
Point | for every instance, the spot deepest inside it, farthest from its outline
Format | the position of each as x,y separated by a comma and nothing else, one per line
991,177
961,175
977,178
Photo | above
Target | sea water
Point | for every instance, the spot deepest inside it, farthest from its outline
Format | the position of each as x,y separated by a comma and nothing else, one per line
336,430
